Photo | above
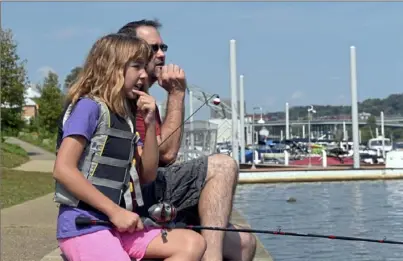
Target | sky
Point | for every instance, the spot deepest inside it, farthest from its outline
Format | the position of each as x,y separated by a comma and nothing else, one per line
295,52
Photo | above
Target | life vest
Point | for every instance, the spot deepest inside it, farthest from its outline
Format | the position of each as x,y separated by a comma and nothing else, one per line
107,161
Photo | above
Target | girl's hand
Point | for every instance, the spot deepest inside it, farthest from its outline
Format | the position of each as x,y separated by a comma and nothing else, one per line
147,106
126,221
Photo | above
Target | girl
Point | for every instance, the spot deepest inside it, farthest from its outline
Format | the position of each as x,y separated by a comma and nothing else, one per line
97,157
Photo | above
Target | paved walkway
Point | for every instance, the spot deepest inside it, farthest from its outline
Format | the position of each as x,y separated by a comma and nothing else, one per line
40,159
28,229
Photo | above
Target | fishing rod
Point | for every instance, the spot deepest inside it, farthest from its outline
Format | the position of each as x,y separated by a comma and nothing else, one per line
87,221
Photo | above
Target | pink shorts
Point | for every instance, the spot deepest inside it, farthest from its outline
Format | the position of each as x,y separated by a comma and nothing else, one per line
106,245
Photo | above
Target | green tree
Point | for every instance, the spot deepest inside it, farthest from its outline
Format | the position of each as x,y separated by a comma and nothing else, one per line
71,77
50,103
371,124
13,83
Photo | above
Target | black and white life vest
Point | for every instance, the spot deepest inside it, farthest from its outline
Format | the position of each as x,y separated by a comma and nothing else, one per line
107,161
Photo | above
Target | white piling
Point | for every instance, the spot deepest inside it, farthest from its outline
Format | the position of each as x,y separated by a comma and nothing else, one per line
354,107
324,158
286,158
191,120
287,122
383,134
344,131
233,78
242,118
281,135
376,133
303,131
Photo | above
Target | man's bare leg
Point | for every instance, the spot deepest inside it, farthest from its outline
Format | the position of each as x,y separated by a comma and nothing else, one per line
239,246
215,203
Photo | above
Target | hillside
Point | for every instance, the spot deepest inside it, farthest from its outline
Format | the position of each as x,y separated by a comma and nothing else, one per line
392,105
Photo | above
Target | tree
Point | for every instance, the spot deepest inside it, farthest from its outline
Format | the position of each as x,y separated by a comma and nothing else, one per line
50,103
13,83
71,77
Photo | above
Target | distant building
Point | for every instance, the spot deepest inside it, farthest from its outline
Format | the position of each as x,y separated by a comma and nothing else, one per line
30,107
364,115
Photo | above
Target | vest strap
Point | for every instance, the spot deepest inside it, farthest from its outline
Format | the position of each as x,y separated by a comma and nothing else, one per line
116,133
136,185
106,183
110,161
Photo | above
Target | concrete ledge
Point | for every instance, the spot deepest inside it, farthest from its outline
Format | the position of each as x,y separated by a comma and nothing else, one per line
319,175
55,255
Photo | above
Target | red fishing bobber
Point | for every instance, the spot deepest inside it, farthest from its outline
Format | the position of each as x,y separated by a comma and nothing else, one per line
216,100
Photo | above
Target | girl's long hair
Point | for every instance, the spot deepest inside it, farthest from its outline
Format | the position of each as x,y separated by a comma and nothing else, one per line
102,75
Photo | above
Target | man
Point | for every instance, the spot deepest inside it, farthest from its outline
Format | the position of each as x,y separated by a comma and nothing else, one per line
202,190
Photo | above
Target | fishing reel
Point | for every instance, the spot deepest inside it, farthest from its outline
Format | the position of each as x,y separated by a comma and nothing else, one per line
162,212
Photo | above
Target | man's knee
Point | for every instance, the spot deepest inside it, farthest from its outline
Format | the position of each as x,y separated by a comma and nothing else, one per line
248,243
239,246
223,165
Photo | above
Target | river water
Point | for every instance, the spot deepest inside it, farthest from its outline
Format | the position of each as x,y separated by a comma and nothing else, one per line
364,209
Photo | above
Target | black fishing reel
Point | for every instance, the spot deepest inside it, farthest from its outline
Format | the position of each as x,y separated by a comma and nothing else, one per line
162,212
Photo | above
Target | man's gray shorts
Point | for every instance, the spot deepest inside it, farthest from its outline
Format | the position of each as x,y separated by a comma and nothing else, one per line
179,184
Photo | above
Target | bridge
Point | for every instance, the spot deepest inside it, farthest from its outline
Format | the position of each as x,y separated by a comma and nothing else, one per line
396,122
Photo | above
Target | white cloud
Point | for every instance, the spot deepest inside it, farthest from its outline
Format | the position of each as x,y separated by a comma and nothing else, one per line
72,32
297,95
44,71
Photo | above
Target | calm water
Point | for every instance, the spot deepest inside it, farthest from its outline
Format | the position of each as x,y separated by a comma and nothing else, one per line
363,209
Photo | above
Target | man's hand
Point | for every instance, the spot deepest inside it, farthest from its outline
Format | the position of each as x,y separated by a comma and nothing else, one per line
172,78
146,105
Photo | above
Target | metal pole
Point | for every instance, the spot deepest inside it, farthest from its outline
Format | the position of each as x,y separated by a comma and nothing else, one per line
261,113
344,131
309,138
233,78
383,135
287,122
191,120
253,140
242,118
354,107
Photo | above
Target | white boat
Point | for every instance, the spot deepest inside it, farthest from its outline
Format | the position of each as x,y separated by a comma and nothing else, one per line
376,144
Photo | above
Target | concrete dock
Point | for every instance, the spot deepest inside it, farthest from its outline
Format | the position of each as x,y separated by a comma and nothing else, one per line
286,174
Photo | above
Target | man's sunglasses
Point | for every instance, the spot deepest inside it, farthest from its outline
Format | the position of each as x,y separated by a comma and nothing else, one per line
156,47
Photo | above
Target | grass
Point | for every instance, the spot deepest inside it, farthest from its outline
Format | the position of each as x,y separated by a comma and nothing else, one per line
46,142
19,186
12,155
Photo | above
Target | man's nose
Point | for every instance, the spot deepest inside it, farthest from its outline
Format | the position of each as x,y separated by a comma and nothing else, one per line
160,54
